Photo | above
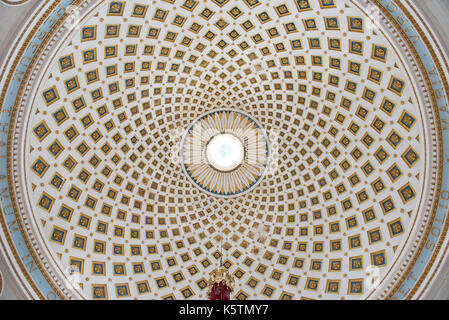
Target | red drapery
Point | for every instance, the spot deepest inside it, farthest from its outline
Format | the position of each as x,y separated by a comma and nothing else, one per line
220,292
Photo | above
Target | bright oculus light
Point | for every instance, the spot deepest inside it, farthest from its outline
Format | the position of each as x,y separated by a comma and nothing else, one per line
225,152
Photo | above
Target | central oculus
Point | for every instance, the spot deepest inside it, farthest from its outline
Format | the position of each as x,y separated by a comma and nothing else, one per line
225,152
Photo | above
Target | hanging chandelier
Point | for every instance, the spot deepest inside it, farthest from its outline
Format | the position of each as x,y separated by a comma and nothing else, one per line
220,284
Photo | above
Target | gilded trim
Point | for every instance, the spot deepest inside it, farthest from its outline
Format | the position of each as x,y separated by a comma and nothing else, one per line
440,143
9,151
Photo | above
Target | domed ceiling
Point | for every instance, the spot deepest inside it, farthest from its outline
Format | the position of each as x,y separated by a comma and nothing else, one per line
344,196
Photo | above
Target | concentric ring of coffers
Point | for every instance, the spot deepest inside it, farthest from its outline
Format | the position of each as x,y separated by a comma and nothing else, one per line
351,149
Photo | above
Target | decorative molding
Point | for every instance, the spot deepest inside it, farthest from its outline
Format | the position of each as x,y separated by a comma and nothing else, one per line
14,2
